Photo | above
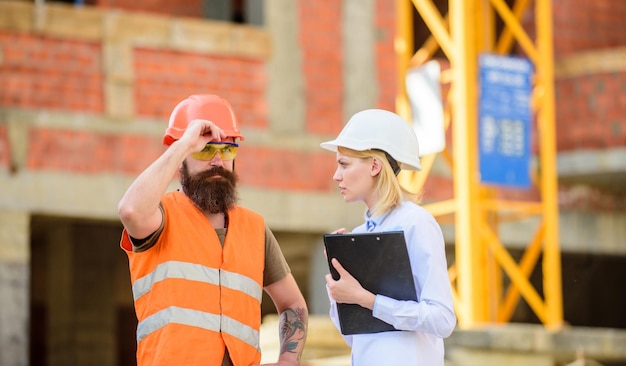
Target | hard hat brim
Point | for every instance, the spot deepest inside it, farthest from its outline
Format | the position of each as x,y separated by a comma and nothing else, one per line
202,106
405,162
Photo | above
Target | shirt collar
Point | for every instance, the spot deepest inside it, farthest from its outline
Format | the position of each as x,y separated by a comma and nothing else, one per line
371,223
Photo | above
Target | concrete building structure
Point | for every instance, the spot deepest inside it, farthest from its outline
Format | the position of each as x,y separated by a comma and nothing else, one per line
85,93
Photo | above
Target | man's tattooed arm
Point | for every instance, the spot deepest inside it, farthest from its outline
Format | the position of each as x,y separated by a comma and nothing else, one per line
293,320
293,329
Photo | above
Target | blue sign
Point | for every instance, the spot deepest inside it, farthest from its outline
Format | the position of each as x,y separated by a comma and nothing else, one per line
505,120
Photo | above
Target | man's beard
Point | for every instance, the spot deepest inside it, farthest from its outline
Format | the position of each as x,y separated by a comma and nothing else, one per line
208,193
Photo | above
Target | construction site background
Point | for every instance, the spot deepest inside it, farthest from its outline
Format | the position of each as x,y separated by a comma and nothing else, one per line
85,92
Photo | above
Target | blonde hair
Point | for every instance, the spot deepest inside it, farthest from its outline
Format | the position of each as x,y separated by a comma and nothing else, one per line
387,185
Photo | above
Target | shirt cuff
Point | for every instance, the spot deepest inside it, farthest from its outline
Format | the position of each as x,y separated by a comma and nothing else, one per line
382,305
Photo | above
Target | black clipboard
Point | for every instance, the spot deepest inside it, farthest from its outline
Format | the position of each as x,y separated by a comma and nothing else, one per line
380,262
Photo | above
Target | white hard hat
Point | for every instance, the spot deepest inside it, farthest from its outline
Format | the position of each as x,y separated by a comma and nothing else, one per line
381,130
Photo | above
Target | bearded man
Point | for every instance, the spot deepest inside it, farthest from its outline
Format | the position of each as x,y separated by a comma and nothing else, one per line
198,261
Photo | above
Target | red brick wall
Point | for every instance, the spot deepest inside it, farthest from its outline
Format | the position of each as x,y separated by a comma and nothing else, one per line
47,73
386,60
88,153
590,111
321,42
164,77
589,108
66,75
322,64
286,169
581,25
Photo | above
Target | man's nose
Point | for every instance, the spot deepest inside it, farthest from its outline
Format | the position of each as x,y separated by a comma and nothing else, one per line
217,160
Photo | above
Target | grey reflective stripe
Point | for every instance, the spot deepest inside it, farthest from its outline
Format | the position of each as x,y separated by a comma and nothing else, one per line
175,269
242,283
177,315
196,272
239,330
174,314
200,319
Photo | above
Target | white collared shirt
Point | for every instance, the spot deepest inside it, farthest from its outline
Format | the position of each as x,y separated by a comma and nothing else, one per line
424,323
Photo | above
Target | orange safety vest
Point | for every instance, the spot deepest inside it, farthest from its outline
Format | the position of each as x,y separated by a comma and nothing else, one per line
194,297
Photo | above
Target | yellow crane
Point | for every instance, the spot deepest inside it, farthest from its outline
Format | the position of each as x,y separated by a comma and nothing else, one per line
481,259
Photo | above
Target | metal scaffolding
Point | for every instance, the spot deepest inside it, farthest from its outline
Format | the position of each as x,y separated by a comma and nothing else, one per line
468,30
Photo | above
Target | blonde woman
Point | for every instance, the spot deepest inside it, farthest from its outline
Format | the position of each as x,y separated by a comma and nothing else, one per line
370,151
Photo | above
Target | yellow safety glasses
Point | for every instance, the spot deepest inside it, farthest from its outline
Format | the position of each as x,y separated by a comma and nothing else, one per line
227,151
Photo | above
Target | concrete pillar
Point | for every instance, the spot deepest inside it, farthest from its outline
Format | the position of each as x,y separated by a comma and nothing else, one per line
359,50
318,301
285,86
14,287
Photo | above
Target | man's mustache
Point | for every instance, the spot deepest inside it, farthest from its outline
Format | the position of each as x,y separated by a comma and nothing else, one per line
216,171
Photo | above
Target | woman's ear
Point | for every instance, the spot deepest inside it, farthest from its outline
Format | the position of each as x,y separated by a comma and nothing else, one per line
376,167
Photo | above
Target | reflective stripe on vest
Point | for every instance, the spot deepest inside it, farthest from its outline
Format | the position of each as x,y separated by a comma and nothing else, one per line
196,272
174,314
177,315
175,269
200,319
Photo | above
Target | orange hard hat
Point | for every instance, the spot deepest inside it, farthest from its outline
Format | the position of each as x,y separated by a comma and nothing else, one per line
201,106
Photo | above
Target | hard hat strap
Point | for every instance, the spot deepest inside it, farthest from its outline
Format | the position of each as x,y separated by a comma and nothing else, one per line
394,164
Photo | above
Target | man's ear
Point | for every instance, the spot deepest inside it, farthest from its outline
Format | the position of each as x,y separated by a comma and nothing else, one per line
376,167
179,172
